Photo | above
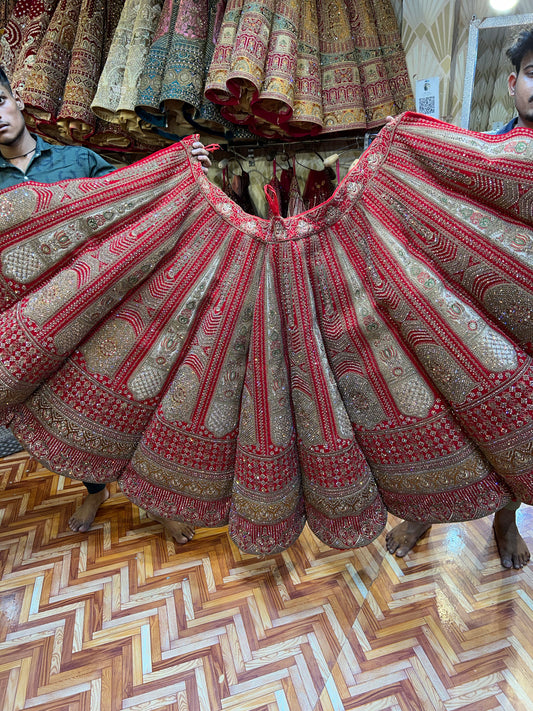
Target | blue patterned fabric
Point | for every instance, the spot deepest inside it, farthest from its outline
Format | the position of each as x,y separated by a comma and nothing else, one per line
9,444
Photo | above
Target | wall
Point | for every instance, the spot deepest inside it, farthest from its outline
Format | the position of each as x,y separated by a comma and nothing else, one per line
435,39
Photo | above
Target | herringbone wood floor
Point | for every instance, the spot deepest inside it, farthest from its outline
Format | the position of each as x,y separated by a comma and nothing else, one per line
122,619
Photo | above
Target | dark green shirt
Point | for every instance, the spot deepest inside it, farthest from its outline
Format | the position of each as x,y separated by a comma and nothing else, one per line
51,163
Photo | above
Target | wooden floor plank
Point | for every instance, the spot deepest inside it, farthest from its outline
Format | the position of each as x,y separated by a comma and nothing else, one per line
121,618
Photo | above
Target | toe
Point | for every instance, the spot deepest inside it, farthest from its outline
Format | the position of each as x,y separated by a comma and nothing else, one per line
184,536
517,562
507,562
189,533
391,543
402,550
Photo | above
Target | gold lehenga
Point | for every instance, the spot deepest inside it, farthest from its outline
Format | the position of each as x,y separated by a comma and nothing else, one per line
116,96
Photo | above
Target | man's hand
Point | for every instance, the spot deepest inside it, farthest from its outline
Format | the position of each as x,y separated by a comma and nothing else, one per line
199,152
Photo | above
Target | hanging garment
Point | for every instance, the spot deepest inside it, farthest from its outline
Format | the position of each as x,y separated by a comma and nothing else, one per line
253,70
116,96
174,69
62,81
285,180
318,187
370,354
170,93
291,200
296,201
238,190
26,25
207,116
46,84
287,67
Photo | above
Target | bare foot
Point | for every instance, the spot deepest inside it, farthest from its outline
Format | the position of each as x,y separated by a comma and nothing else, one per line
512,548
404,536
180,532
82,519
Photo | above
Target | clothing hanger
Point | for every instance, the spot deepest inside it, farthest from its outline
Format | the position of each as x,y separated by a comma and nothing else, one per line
333,160
308,167
226,163
236,159
283,157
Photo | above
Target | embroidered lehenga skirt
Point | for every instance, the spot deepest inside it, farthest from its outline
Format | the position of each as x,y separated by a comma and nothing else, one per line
369,355
300,67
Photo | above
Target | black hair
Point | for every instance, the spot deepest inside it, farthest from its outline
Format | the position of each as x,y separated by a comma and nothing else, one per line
522,44
4,81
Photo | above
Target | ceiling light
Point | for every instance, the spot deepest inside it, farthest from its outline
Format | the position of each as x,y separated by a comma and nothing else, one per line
503,5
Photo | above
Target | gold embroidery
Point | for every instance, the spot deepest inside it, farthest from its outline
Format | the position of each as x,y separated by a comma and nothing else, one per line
514,239
187,481
411,394
150,376
361,402
445,473
179,402
512,306
493,350
105,352
51,298
73,428
270,509
343,502
512,148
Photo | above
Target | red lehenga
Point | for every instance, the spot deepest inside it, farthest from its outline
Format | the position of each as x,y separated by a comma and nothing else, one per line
371,354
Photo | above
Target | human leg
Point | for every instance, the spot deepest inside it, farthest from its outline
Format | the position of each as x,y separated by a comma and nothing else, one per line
512,548
82,519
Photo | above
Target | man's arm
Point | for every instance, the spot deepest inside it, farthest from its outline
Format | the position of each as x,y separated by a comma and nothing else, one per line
97,166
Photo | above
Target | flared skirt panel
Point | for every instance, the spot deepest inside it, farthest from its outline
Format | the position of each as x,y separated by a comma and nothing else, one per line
369,355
